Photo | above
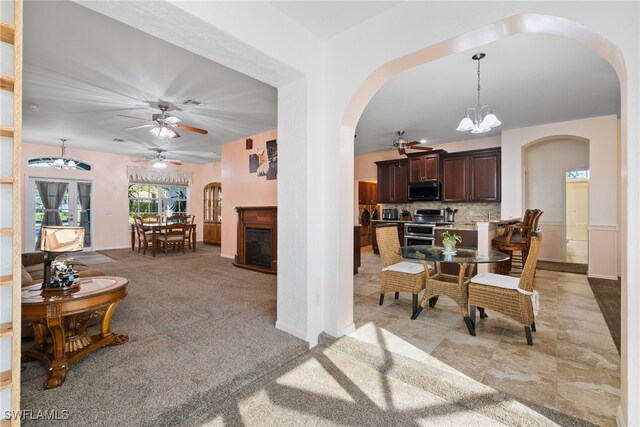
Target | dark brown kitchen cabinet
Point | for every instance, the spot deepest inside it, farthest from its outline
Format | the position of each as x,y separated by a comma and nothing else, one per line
424,167
472,176
392,181
367,193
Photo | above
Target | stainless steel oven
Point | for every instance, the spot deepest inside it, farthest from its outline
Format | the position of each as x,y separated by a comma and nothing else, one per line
419,234
419,241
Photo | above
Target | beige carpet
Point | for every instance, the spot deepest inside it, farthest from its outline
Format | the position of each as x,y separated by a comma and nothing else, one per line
198,329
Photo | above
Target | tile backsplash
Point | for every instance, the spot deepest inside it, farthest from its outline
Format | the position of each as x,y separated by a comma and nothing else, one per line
467,212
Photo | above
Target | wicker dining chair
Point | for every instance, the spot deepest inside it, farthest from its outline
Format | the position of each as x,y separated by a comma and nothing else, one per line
453,286
397,274
511,296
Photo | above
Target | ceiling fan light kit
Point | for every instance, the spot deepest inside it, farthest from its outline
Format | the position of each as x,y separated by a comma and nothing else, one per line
402,145
164,125
478,119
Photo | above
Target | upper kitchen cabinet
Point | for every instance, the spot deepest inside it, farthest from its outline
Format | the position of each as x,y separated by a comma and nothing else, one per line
472,176
424,167
392,181
367,193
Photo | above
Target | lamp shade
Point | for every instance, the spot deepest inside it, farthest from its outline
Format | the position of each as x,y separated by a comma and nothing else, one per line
62,239
491,121
465,124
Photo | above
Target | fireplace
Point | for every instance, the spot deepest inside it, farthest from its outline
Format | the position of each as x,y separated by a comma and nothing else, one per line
258,247
257,239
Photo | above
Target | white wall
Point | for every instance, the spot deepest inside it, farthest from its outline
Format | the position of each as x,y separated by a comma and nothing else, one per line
545,180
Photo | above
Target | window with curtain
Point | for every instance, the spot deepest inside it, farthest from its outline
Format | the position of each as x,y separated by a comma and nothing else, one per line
159,199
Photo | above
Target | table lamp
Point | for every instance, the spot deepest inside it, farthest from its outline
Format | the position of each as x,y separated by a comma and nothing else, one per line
59,240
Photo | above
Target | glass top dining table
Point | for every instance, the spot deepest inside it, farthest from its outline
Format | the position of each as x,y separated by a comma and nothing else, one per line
455,287
461,255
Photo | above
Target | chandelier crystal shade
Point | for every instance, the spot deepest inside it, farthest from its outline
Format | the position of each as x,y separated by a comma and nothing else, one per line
478,119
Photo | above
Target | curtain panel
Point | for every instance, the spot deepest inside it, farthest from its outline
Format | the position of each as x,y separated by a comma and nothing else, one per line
146,175
84,198
51,194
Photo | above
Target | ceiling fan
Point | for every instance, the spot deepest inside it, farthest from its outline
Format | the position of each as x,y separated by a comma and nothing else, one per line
402,144
159,160
165,125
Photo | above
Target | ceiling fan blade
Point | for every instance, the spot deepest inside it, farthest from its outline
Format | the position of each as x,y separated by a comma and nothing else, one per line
416,147
139,127
192,129
409,144
175,162
132,117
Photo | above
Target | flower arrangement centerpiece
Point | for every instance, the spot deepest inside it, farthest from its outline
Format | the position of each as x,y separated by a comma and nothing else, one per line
449,242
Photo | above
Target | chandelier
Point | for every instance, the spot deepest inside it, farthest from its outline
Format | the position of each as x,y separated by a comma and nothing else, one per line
482,118
63,162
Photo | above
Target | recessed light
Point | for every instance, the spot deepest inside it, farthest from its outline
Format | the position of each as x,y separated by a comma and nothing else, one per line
423,141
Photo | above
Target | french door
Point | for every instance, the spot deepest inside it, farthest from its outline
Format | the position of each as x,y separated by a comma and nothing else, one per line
75,208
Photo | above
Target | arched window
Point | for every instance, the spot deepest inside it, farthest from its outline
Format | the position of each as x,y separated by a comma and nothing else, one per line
49,162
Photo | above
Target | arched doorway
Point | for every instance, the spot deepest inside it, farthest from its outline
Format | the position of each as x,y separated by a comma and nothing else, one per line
513,25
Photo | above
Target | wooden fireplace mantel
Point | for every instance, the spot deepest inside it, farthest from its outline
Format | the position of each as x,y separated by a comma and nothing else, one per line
262,218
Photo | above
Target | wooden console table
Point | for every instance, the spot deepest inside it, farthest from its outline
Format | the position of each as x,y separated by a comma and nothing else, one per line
60,319
257,238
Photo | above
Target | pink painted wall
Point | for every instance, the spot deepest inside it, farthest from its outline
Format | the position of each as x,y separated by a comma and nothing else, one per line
110,183
241,188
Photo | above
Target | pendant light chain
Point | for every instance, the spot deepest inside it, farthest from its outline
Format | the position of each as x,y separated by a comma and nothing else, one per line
479,83
481,118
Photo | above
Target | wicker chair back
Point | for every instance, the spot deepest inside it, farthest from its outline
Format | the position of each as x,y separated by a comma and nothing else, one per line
389,245
529,270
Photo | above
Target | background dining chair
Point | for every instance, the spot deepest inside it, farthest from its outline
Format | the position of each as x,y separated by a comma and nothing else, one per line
144,236
397,274
172,235
511,296
517,238
191,220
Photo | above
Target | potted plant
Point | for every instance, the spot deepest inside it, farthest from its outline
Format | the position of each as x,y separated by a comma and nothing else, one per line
449,241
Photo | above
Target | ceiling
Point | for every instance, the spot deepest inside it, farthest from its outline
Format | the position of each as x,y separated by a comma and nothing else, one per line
82,83
82,69
528,79
326,19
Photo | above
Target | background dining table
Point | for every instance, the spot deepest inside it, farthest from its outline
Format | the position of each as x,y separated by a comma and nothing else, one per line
155,227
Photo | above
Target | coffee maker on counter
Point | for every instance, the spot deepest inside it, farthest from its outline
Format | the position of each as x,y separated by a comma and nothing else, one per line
390,214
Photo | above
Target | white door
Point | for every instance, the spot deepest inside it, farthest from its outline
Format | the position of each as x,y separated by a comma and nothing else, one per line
70,210
577,217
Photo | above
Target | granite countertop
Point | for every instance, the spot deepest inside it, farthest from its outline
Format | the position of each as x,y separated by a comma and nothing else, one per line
458,226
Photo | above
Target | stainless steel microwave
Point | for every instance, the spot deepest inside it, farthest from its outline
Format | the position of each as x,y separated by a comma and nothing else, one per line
424,191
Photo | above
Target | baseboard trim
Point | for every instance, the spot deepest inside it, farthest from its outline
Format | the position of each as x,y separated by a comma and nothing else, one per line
347,329
291,330
602,276
228,256
550,259
620,417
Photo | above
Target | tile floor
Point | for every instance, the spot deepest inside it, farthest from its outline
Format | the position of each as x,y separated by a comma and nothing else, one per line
573,365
